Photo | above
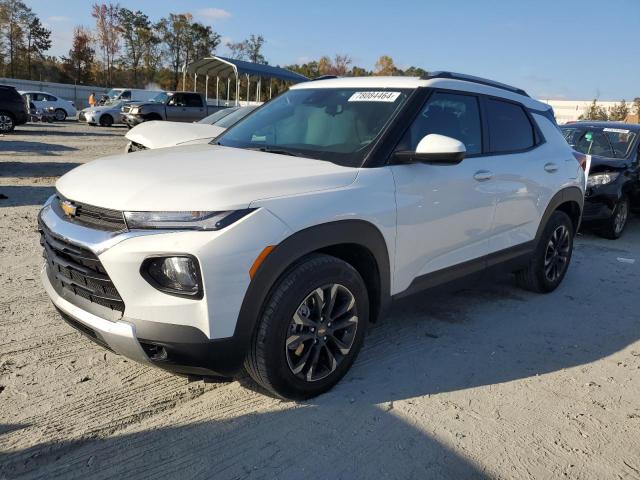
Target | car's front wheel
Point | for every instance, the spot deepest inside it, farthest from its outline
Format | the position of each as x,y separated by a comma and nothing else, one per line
552,256
7,123
614,226
312,327
106,120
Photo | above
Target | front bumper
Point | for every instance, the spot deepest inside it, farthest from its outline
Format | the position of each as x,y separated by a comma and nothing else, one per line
132,120
185,336
600,202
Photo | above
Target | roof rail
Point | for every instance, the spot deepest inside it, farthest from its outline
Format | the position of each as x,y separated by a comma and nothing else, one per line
471,78
324,77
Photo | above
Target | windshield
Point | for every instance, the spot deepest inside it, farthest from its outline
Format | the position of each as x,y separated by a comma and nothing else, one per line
114,92
159,98
338,125
219,115
234,117
601,141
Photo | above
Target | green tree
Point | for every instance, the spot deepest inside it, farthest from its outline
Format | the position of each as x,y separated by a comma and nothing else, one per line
81,56
38,41
14,20
249,49
138,38
619,112
175,33
595,112
415,72
107,34
386,66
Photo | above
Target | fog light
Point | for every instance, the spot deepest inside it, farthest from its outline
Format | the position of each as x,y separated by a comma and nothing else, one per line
178,275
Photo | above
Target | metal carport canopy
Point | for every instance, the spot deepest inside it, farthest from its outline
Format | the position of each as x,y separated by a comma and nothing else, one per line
228,67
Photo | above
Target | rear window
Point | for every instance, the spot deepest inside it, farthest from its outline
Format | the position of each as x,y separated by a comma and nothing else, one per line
509,127
193,100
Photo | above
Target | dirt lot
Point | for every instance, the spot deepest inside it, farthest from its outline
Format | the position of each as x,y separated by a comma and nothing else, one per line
488,382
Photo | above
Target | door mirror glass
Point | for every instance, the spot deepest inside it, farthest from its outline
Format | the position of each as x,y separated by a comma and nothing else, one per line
434,148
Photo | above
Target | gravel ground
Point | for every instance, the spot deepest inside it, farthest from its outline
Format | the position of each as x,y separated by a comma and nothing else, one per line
489,382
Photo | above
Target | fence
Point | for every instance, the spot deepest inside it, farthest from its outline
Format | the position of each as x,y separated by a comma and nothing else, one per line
78,94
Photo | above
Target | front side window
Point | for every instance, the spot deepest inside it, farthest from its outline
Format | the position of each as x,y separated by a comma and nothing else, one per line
176,100
452,115
509,127
338,124
50,98
126,95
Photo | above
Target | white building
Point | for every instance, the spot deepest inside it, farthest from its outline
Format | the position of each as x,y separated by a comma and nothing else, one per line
570,110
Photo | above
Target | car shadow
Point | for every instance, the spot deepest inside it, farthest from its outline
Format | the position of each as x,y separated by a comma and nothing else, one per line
13,147
35,169
94,132
303,442
24,195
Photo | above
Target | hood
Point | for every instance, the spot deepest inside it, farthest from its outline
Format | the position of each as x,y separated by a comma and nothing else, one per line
159,134
197,177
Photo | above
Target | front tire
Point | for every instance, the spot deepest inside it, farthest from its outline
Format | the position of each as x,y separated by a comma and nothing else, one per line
60,115
311,330
614,226
7,123
106,120
552,256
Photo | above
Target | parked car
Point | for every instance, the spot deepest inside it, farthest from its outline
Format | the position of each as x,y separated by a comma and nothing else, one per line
272,249
13,109
613,185
43,100
156,134
104,115
173,106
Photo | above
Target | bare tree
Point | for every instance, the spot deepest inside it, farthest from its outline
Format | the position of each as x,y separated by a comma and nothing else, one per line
78,63
108,34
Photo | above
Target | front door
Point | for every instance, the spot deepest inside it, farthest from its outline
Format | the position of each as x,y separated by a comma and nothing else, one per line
445,212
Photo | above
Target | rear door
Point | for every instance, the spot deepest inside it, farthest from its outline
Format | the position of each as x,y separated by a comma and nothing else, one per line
525,171
194,108
445,212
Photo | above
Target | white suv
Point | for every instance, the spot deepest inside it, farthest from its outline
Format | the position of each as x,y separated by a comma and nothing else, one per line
274,247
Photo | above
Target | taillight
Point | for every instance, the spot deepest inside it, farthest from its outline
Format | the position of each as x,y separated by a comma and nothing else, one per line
582,159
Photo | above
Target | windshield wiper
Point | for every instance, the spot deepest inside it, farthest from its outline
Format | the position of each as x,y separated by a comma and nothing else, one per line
275,150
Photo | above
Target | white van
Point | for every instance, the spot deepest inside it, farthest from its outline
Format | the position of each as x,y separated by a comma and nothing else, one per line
132,94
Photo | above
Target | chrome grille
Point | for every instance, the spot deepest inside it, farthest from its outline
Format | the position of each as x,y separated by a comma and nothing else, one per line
91,216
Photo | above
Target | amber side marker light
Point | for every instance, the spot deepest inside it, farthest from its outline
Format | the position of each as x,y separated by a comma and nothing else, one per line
258,261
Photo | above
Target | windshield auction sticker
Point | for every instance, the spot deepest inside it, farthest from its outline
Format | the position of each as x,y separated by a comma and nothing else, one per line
374,97
615,130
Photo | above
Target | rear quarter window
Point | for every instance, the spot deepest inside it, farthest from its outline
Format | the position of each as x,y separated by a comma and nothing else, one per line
510,129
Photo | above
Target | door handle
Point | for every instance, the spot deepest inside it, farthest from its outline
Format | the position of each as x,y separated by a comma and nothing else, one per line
483,175
551,167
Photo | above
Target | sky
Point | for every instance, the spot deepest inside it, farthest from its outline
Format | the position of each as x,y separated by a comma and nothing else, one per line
554,49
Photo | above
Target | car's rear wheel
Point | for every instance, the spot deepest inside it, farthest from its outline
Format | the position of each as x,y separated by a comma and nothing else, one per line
7,123
106,120
614,226
312,327
60,115
552,256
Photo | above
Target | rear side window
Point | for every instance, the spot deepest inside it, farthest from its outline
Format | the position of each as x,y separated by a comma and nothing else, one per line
509,127
193,100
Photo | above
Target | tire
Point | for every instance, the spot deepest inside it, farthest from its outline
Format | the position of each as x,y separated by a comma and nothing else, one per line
60,115
106,120
552,256
290,333
614,226
7,122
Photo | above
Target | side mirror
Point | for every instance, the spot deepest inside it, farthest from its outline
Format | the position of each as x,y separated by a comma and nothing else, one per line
436,149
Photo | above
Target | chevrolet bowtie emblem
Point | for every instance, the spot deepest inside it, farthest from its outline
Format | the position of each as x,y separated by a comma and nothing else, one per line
68,208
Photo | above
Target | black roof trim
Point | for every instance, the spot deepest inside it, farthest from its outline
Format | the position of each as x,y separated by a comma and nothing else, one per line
324,77
471,78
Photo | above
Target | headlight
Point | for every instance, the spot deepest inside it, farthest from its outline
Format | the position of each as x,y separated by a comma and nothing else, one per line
601,178
136,110
184,220
176,275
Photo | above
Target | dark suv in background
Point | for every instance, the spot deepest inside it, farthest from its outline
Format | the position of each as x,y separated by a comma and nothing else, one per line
613,185
13,109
